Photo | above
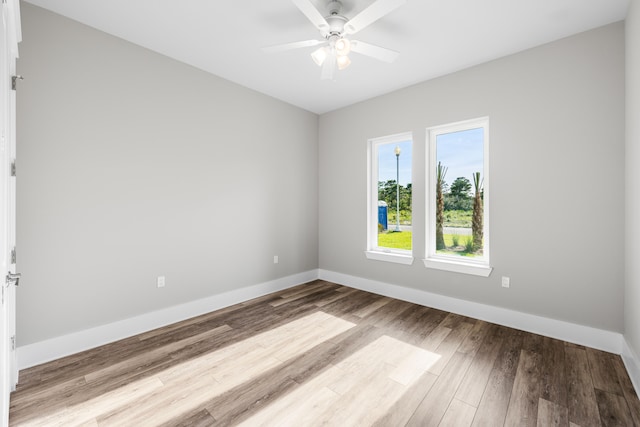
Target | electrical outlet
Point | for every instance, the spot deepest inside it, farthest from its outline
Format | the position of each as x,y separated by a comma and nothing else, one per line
275,259
160,281
506,282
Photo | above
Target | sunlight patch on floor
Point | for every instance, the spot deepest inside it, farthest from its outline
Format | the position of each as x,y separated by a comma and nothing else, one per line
356,391
190,384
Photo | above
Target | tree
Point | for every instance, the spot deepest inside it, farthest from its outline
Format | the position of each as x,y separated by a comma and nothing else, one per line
405,197
387,192
441,172
458,197
478,212
460,187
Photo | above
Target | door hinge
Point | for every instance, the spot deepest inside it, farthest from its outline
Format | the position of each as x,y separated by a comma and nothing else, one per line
13,167
14,81
13,342
13,255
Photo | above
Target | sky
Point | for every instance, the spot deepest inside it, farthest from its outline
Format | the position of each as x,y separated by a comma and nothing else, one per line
461,152
387,162
449,148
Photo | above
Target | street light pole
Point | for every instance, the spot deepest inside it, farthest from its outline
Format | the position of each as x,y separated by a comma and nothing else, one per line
397,151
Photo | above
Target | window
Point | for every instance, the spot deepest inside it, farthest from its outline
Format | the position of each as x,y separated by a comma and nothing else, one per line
389,224
458,201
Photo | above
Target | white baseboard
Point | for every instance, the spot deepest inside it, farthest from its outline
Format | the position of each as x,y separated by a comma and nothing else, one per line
55,348
570,332
632,363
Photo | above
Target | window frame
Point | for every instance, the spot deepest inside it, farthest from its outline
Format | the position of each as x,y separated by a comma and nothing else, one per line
375,252
458,264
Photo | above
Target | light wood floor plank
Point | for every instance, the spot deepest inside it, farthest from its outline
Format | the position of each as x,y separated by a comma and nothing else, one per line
437,400
613,409
435,338
199,418
495,399
368,309
553,384
523,404
301,407
552,415
402,410
474,383
603,371
581,397
386,315
302,290
148,359
325,354
473,341
628,390
449,346
459,414
333,297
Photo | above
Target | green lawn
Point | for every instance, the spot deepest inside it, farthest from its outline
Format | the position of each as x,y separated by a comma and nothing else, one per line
457,218
462,240
393,240
448,239
402,240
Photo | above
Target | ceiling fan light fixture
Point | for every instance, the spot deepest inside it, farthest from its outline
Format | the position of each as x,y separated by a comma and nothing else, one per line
333,55
343,46
328,68
343,62
319,56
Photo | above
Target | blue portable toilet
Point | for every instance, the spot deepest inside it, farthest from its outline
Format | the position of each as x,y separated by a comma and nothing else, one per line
382,214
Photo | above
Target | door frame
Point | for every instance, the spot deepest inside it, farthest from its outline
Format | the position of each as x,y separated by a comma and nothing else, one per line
10,36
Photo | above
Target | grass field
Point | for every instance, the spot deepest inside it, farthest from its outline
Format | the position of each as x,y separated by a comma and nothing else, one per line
457,218
393,240
402,240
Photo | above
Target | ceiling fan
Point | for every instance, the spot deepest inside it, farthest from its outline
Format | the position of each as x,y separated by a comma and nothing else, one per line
335,49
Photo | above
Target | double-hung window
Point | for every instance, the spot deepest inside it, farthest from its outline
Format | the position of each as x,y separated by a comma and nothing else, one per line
458,197
389,219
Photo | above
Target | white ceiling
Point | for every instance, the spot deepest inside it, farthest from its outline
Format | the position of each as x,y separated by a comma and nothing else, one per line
433,37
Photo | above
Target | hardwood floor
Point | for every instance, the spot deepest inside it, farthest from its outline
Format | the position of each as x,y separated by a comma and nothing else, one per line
323,354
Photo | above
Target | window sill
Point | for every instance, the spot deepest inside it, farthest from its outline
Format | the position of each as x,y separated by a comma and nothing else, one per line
389,257
458,267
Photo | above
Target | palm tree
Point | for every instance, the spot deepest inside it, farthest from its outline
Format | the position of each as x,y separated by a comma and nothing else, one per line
478,213
441,172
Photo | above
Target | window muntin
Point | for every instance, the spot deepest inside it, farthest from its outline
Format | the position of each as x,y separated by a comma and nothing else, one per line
457,226
390,174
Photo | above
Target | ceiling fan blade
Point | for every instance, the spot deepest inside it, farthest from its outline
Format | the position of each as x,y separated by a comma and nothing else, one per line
288,46
371,14
312,14
328,68
377,52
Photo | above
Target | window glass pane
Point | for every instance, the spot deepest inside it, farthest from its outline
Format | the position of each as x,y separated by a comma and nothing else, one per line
459,222
394,179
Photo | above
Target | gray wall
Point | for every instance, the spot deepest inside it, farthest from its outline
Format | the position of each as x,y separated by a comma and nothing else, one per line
632,296
557,178
133,165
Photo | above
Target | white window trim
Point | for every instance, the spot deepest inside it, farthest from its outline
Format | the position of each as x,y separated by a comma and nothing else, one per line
473,266
375,252
398,258
458,266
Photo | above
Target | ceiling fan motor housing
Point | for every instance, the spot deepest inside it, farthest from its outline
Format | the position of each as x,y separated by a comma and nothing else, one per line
334,7
336,24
